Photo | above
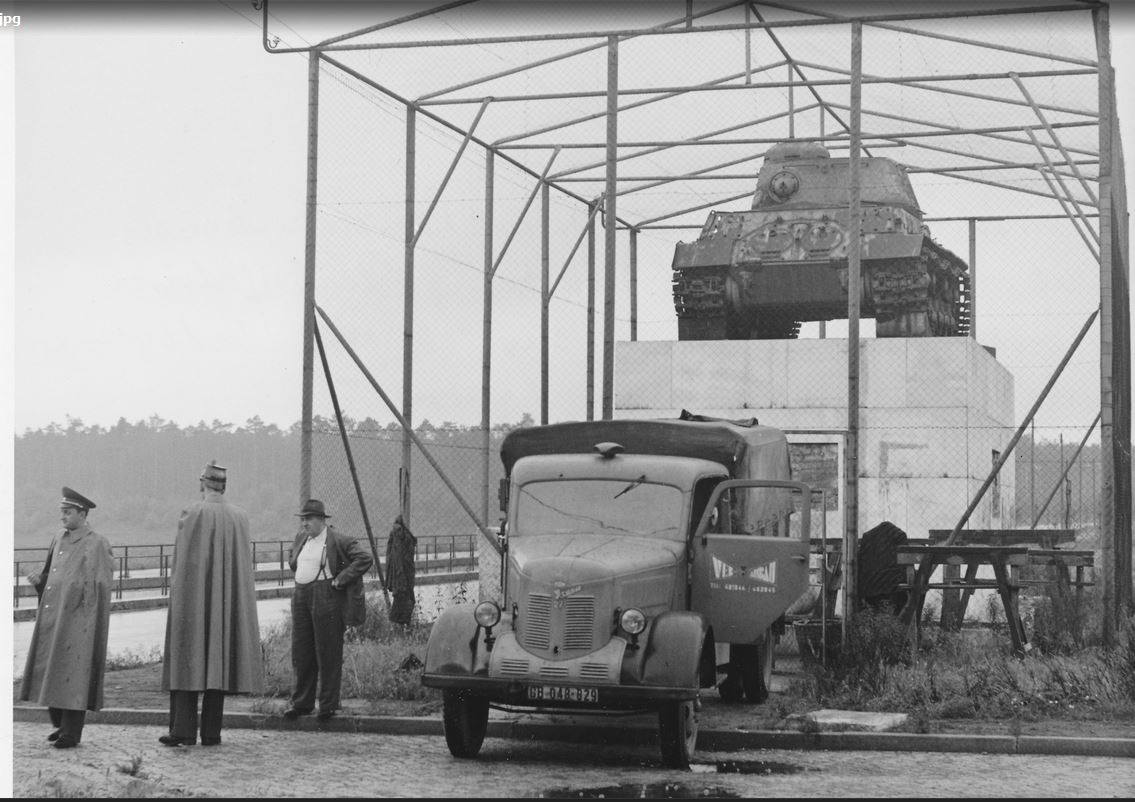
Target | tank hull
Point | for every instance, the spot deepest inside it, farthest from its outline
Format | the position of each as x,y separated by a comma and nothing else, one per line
759,274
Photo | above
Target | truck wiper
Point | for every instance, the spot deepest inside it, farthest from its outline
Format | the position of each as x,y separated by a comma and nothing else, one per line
630,487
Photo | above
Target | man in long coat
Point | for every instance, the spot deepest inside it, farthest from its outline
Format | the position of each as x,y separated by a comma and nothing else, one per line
400,547
67,655
212,645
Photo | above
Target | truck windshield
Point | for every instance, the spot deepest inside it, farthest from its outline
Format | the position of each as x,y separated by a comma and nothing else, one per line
633,507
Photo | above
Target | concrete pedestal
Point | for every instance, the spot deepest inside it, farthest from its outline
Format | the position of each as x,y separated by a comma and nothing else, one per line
935,413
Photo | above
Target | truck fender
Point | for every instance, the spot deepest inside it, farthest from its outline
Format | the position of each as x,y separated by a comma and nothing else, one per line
675,650
452,645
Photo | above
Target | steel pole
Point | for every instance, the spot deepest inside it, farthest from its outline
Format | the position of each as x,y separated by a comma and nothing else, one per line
309,274
408,312
609,225
487,335
851,458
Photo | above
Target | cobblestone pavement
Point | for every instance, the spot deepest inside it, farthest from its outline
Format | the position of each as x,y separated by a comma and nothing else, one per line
123,760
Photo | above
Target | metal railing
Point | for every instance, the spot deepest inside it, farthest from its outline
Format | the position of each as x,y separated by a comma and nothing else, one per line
147,567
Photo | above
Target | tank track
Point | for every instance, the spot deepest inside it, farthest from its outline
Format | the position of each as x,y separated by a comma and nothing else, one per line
700,301
704,312
927,297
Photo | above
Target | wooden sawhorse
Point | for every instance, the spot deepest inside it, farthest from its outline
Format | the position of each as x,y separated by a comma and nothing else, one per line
1006,561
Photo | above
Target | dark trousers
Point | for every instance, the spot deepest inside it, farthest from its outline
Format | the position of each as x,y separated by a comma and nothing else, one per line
317,645
183,713
68,722
402,607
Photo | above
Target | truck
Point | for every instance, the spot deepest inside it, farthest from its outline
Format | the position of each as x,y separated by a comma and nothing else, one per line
758,274
643,562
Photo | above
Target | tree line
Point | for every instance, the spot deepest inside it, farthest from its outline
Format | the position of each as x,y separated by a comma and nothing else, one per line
142,474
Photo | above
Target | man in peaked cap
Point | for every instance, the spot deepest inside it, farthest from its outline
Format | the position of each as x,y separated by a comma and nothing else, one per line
212,645
214,476
328,597
67,655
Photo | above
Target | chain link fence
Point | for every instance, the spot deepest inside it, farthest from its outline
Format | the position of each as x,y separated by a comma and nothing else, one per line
1001,147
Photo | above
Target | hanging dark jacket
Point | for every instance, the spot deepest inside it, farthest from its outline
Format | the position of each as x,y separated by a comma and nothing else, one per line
400,547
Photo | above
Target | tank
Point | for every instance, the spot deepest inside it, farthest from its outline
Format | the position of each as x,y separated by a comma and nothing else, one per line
759,274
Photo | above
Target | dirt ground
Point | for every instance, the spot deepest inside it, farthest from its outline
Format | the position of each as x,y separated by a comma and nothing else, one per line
140,689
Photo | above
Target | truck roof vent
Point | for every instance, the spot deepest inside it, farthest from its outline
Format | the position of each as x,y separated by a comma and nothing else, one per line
608,450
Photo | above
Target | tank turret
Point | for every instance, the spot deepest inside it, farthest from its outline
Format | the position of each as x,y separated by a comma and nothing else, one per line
759,274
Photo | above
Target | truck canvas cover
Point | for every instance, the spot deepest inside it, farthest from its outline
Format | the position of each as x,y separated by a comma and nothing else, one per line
745,448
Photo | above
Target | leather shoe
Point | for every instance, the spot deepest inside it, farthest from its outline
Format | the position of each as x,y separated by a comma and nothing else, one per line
65,742
173,740
293,713
55,735
209,741
326,715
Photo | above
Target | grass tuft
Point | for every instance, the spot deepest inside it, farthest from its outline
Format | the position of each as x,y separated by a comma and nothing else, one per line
973,674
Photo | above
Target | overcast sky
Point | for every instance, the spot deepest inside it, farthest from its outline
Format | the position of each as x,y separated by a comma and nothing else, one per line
160,165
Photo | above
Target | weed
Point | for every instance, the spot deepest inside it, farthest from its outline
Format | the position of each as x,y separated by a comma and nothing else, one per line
973,673
919,721
992,607
1064,622
133,658
809,725
133,768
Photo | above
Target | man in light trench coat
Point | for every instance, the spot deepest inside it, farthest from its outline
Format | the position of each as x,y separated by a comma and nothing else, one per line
67,655
212,645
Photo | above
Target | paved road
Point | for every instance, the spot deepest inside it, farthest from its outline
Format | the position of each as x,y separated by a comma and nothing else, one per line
262,763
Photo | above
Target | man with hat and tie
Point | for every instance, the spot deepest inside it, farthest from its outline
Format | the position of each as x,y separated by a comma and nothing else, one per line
212,645
328,597
67,656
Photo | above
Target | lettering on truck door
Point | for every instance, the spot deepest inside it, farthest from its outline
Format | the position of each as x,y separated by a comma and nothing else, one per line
742,582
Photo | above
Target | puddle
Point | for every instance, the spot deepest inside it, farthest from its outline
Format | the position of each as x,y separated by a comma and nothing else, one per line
643,791
679,790
746,767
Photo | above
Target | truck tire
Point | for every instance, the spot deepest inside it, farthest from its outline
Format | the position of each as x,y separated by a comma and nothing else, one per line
756,667
465,719
678,733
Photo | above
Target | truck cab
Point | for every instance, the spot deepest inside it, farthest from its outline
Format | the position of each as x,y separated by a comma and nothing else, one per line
641,564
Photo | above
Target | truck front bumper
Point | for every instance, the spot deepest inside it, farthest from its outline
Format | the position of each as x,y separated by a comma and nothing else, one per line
537,695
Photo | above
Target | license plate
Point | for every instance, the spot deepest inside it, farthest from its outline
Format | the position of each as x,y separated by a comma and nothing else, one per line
562,693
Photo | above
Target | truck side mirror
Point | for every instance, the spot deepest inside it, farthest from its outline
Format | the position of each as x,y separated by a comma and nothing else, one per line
502,494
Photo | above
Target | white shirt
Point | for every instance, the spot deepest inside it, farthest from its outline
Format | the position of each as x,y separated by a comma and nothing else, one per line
311,559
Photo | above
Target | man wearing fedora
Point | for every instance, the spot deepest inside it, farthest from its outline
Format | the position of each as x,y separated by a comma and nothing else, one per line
212,645
67,655
328,597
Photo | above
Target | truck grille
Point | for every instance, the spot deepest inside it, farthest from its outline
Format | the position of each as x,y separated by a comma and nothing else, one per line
571,624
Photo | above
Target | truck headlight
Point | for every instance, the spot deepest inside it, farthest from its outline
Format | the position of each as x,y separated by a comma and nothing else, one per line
632,621
487,614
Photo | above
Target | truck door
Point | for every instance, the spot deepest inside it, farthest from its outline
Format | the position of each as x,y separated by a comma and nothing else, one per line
747,569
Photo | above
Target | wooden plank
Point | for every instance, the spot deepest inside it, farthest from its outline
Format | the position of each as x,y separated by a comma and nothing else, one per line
962,555
1045,538
1061,557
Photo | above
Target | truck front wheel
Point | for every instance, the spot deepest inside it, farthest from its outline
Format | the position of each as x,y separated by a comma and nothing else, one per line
678,733
465,719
